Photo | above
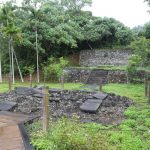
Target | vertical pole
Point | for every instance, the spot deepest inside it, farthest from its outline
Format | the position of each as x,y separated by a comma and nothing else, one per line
62,82
45,109
18,66
37,55
100,85
30,80
149,91
12,59
10,66
146,87
0,68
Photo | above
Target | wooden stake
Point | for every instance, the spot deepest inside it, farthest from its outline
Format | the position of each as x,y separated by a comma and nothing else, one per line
149,91
146,87
45,109
62,82
100,85
30,80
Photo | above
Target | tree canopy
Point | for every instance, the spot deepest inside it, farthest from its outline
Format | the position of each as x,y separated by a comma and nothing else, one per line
62,27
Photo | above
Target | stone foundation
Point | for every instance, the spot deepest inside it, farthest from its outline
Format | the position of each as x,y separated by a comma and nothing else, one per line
67,103
96,58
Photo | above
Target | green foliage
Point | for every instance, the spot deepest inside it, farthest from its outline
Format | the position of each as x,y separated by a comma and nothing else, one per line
141,48
62,26
66,134
55,67
29,69
133,64
127,140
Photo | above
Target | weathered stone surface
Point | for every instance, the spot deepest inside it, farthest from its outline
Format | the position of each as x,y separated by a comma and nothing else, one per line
4,106
38,95
100,95
110,111
93,77
90,107
104,57
94,101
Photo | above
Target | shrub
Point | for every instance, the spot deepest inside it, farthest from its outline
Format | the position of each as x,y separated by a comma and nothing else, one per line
67,135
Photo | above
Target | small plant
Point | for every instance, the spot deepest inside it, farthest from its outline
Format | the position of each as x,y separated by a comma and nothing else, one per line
69,135
56,67
30,70
133,64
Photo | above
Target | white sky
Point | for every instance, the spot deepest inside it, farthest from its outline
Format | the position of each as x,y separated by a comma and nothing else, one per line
130,12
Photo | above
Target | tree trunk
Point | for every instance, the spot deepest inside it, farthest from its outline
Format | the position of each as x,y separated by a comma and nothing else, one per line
12,63
37,57
0,69
18,66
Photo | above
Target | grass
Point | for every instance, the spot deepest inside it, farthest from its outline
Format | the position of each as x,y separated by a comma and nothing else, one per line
133,91
67,86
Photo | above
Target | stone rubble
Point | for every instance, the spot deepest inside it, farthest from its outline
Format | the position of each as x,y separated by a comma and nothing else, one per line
67,103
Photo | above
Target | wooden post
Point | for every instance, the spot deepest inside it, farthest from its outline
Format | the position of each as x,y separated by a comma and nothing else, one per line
62,82
149,91
30,80
45,109
100,85
9,82
146,87
108,78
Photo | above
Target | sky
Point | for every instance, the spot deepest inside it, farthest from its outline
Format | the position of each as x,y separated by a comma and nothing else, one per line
130,12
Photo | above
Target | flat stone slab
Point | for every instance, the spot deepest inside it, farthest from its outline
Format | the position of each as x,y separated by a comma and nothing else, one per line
4,106
94,101
27,91
91,105
100,95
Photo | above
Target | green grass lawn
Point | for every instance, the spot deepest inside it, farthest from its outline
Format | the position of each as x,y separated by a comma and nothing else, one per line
133,91
67,86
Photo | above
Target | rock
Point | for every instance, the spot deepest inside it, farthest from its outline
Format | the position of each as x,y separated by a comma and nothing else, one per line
90,106
38,95
100,95
4,106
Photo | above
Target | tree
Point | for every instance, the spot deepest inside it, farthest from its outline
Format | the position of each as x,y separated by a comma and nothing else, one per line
56,67
141,47
75,5
10,29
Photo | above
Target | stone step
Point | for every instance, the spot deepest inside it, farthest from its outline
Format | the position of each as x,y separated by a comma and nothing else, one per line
91,106
100,95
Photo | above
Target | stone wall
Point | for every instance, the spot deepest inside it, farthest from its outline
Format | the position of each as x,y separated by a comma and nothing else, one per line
104,57
82,75
107,76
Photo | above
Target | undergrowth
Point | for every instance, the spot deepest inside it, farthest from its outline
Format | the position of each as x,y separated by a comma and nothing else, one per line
132,134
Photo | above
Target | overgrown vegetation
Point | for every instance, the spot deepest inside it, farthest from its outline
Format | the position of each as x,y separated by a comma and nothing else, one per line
132,134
